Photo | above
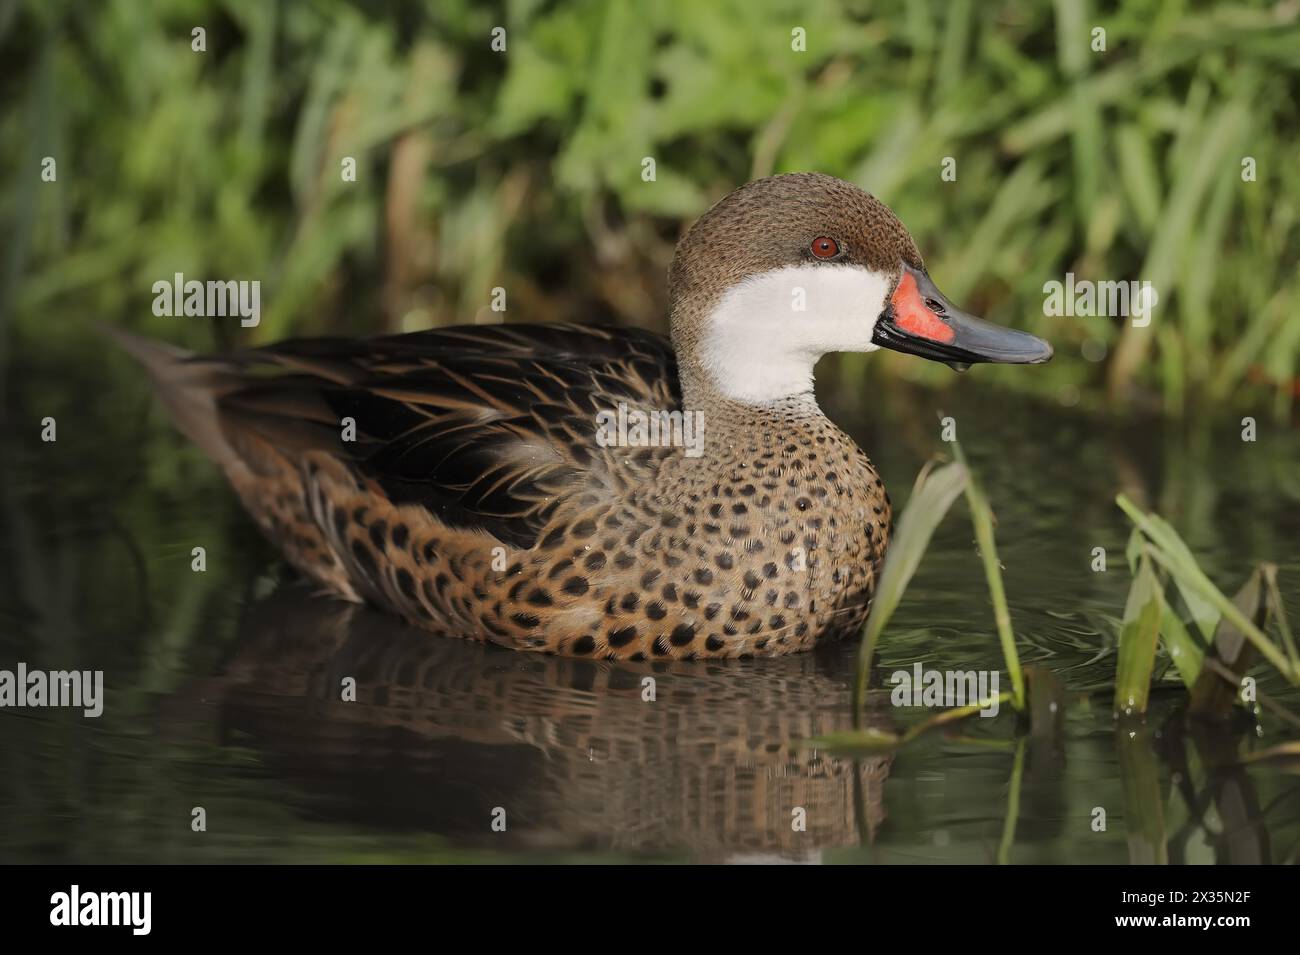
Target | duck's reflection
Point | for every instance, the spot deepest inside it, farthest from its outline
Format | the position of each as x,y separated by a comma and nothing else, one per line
701,758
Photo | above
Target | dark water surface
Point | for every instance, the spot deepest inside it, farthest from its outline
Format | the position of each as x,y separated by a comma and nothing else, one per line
222,687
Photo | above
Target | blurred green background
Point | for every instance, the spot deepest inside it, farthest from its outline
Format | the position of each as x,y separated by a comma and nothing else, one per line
522,169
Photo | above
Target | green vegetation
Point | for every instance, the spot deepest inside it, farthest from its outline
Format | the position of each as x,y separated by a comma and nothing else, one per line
1171,600
933,493
478,169
982,519
1213,641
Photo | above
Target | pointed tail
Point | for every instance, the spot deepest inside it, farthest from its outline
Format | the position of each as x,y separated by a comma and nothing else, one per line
189,387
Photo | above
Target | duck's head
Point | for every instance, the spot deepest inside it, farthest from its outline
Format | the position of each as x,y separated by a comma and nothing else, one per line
788,268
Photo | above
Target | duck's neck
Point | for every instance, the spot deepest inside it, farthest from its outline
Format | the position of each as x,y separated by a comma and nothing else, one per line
756,382
741,374
700,392
740,423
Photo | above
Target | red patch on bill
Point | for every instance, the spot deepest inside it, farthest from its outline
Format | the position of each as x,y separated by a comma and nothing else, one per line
912,316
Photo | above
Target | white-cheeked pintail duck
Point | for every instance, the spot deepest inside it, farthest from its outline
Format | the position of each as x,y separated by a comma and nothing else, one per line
474,493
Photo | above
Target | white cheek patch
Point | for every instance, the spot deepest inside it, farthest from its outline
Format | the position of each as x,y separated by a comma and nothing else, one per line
764,336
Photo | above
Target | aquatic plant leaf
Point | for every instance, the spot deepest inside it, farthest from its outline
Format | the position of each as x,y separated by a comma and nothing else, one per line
1144,814
1133,549
1137,641
1200,611
1215,695
1168,550
932,496
1182,647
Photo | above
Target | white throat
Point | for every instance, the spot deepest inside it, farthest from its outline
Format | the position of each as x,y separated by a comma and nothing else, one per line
766,333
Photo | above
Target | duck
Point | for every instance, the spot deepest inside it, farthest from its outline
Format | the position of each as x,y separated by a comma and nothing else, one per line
471,479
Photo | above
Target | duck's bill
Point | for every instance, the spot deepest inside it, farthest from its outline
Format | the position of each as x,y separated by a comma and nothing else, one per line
921,321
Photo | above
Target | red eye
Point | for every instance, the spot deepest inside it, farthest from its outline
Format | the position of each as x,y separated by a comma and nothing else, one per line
825,247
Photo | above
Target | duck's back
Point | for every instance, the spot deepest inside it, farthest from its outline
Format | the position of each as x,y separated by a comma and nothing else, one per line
487,427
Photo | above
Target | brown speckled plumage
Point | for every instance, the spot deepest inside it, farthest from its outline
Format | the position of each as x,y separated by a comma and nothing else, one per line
476,502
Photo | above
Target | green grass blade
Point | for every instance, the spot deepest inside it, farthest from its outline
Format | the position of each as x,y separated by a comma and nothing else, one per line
865,740
931,498
1279,614
1282,752
953,715
1013,805
868,739
1139,175
1214,140
982,518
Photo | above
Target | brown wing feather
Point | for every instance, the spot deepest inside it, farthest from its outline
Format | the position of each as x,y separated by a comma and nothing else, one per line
486,426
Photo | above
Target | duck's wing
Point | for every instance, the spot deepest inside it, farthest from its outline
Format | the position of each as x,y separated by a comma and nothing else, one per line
489,427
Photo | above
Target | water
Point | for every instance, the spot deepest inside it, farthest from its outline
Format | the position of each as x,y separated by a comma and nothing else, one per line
223,687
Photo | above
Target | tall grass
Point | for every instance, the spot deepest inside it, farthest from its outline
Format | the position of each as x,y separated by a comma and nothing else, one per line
523,169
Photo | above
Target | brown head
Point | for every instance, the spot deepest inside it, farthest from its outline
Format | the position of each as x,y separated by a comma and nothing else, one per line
788,268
